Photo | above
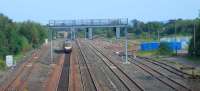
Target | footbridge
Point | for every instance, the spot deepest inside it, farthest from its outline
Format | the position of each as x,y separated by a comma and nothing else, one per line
89,25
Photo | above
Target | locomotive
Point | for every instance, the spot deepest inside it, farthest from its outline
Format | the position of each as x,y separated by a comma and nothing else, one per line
67,46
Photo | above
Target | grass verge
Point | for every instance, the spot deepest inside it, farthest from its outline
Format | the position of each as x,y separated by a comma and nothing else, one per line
193,59
17,58
146,53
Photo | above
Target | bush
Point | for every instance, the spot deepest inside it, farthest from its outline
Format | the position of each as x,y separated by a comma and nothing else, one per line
2,65
164,49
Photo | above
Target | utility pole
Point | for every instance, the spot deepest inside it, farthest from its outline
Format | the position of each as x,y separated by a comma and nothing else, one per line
50,34
51,38
194,38
51,47
175,37
85,34
149,35
194,35
126,46
158,35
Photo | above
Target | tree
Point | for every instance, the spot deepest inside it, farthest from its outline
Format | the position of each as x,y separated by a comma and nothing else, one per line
33,32
19,37
138,27
194,49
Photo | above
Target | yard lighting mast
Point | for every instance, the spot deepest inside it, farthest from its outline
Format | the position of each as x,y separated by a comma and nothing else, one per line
174,21
194,34
175,37
194,39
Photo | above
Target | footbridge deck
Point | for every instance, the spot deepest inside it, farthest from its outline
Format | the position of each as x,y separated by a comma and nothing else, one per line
121,22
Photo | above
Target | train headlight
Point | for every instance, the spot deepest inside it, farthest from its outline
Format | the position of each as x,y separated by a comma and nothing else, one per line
67,48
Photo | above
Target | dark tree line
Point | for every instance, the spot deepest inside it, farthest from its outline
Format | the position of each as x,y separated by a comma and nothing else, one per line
151,29
19,37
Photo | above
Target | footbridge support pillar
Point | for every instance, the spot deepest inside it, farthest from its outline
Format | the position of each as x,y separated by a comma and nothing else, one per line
90,33
73,33
117,32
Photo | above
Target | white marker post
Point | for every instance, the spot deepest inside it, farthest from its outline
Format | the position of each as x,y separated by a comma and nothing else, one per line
46,41
9,60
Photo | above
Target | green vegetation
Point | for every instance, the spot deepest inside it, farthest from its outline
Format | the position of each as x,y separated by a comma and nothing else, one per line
194,50
18,38
151,29
2,65
164,49
146,53
17,57
193,59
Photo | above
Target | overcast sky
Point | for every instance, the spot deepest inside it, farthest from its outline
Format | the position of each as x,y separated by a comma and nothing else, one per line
145,10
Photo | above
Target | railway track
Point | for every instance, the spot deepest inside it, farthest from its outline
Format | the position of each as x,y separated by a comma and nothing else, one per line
167,67
86,77
160,76
125,78
20,79
10,86
64,77
102,77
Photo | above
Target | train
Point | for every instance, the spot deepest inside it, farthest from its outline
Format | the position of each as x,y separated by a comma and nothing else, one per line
67,46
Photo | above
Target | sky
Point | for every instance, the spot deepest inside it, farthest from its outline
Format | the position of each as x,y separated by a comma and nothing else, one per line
144,10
